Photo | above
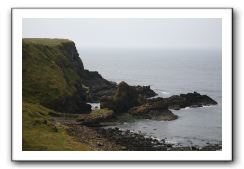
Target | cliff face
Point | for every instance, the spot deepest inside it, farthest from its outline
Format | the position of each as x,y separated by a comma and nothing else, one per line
54,76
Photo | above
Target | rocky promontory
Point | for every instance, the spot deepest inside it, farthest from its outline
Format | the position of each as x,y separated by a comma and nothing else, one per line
127,100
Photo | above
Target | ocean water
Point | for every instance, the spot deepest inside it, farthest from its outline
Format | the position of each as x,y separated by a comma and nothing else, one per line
168,72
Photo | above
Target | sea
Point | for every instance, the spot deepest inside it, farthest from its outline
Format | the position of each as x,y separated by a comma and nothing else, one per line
168,72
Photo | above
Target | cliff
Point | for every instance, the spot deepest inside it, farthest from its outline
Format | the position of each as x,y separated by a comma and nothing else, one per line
54,76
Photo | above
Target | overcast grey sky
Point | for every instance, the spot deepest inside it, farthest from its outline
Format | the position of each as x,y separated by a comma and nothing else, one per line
129,33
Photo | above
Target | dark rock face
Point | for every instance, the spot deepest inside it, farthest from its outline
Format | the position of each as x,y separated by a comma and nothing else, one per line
126,96
145,91
188,100
73,104
175,102
98,86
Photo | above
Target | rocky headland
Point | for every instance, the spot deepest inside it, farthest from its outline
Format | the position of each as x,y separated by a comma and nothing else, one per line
56,92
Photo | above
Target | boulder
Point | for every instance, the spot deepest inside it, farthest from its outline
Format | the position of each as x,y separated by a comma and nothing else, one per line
126,96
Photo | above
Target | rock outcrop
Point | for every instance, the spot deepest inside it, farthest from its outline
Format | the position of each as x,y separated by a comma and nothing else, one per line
145,91
126,97
177,102
156,110
134,101
97,86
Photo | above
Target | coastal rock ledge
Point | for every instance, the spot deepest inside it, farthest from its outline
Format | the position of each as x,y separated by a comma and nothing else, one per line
127,100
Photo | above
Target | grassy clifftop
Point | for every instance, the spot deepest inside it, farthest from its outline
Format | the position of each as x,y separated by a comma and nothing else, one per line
47,41
53,75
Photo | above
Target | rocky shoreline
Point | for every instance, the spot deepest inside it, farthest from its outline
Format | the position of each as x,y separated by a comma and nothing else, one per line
115,139
129,103
126,104
131,141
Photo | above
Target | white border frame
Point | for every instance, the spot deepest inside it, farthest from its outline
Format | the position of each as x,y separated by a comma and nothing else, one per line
224,155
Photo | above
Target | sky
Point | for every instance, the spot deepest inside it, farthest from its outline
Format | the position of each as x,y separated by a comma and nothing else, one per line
182,33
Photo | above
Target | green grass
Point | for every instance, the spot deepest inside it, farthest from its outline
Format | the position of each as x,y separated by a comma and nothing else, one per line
101,113
40,133
47,41
97,116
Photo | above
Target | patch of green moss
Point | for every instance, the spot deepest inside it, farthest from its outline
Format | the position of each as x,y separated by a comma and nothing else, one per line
47,41
41,133
97,116
101,113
